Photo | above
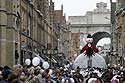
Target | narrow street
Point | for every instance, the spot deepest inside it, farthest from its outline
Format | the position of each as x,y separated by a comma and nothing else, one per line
62,41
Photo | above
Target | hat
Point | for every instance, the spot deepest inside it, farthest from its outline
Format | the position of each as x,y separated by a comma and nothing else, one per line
5,73
6,67
89,36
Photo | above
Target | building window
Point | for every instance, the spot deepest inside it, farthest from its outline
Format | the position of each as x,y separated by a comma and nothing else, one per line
124,23
29,23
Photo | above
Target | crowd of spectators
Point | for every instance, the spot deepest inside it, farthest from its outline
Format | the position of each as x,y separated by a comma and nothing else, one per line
37,74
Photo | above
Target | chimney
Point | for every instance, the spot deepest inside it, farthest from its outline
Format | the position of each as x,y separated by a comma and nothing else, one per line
50,1
62,9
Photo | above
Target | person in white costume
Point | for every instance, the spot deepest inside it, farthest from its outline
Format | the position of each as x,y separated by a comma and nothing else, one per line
89,51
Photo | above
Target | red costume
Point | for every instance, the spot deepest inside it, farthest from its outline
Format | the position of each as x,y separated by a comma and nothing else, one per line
85,48
89,49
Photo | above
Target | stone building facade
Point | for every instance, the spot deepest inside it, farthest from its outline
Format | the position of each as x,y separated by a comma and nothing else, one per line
7,33
120,32
63,34
26,28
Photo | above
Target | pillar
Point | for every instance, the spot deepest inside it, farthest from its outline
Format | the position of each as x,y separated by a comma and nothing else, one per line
3,23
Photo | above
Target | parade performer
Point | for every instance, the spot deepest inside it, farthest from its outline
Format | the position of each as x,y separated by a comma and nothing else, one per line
90,48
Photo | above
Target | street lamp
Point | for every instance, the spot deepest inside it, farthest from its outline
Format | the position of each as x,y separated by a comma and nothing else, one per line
75,55
61,57
56,50
49,54
23,49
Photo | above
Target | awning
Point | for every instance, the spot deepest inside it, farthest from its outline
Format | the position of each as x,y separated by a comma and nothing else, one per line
42,58
53,60
37,55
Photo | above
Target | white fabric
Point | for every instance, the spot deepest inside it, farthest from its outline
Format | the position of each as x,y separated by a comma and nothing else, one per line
115,78
84,73
82,61
92,80
0,72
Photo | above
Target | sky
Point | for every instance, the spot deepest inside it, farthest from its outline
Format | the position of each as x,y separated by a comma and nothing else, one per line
79,7
103,41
